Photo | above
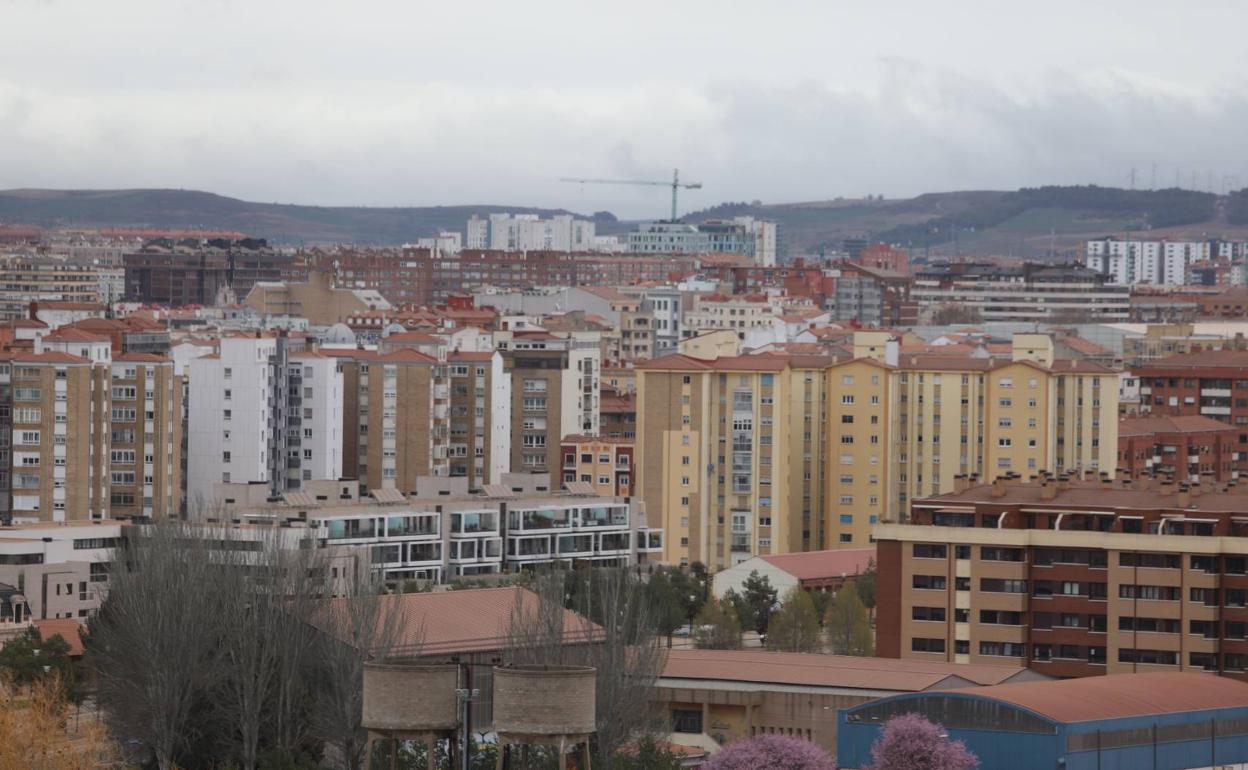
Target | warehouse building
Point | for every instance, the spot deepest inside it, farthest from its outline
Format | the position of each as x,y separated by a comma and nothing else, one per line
1163,721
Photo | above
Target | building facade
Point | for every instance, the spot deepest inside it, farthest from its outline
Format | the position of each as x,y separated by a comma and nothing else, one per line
1071,576
262,410
1032,292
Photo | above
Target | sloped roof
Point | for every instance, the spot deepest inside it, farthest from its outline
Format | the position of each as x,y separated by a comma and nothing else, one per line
814,565
1150,425
817,670
473,620
69,629
1116,696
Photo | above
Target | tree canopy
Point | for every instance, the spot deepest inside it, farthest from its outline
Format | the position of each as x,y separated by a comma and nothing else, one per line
910,742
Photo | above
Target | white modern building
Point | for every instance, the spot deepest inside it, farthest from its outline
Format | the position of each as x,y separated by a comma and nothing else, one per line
750,237
259,412
529,232
1138,261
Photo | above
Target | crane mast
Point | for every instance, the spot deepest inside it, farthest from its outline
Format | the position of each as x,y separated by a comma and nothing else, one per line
675,184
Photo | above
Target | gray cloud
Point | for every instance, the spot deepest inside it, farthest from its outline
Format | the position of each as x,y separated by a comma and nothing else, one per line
395,103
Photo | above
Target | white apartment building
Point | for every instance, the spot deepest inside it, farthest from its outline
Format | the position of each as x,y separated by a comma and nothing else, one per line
446,533
1138,261
260,413
445,243
528,232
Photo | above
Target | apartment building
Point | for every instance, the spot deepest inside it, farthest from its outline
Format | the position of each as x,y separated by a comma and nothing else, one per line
144,433
262,409
57,467
197,272
1187,448
442,532
480,429
741,313
714,453
906,427
554,393
605,463
1138,261
665,305
1207,383
1032,292
872,296
1070,576
529,232
422,277
395,417
27,279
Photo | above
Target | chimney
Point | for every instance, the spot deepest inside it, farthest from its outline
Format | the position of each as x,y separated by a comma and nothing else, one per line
961,483
1185,496
1167,488
998,487
1063,483
1196,489
1048,491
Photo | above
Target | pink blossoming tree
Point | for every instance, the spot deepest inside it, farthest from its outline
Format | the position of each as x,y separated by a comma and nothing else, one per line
910,742
771,752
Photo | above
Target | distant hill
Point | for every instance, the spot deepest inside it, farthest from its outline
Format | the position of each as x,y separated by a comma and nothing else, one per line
278,222
1028,222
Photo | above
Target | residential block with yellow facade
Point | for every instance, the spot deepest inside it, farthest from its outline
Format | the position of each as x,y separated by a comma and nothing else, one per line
773,453
902,427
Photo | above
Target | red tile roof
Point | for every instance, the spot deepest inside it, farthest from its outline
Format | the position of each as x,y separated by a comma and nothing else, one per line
817,670
71,334
49,357
68,629
473,620
815,565
1117,696
1148,426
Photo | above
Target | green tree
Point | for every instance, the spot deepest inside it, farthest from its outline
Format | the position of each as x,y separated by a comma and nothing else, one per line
669,611
865,585
718,627
29,658
795,626
849,631
759,599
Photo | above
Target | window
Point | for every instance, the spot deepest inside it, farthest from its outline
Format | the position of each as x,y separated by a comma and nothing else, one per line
930,551
928,613
930,582
920,644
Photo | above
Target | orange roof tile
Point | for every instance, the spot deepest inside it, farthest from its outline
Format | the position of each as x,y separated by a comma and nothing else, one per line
1120,695
817,670
816,565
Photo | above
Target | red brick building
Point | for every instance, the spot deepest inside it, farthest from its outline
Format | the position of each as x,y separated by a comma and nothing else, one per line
1186,447
881,256
1070,577
1210,383
416,276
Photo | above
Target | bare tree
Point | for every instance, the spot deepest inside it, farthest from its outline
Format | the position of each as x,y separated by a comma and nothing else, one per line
614,629
265,646
154,643
362,625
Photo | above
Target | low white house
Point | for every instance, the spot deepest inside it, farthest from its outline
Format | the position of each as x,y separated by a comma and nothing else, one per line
812,570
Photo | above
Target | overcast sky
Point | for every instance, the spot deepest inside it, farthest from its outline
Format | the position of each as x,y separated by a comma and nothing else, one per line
409,102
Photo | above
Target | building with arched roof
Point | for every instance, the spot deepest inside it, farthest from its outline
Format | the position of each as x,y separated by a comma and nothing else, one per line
1162,721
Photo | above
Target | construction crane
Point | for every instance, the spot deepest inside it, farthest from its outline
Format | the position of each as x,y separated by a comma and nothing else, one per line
675,184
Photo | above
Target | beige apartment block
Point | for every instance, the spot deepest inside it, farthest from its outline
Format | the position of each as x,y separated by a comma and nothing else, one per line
144,447
396,417
907,429
714,456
